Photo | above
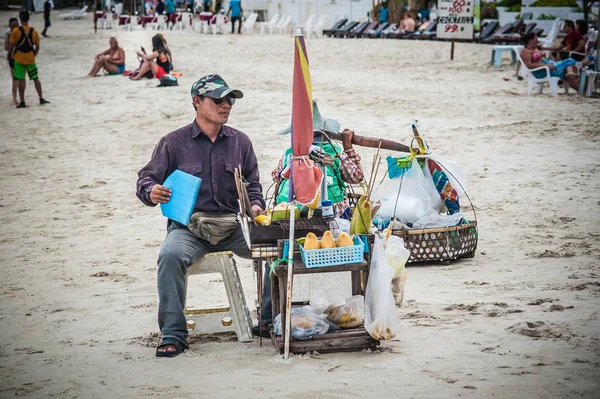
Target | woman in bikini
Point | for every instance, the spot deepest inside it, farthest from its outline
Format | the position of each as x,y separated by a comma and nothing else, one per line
158,63
534,58
112,60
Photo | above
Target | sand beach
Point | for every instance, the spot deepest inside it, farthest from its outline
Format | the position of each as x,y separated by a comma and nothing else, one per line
78,250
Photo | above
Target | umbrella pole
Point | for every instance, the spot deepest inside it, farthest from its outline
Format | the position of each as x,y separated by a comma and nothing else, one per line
288,299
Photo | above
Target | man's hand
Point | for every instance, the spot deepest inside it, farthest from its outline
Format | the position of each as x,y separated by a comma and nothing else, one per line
552,67
257,210
160,194
347,138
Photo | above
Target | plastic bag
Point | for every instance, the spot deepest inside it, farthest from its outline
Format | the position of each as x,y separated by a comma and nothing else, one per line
381,320
436,200
455,174
396,254
338,226
434,219
325,297
306,323
350,314
407,195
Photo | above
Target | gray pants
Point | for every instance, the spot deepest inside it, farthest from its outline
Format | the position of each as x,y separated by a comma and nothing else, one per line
179,250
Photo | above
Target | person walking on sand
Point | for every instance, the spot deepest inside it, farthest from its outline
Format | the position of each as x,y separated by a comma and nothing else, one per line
12,24
210,150
47,11
24,45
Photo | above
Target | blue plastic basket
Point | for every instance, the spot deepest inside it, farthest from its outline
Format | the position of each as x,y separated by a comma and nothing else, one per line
333,256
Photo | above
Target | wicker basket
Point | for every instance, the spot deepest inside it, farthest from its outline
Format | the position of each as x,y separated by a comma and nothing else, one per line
440,244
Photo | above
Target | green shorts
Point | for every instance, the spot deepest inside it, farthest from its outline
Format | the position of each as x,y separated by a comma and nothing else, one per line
20,70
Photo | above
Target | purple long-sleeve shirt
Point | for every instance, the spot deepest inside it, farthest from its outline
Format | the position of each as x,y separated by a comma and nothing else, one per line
190,150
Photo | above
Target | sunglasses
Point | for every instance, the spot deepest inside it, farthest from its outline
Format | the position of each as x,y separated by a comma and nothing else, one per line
221,100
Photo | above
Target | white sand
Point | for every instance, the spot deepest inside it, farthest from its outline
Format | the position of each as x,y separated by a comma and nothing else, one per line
69,211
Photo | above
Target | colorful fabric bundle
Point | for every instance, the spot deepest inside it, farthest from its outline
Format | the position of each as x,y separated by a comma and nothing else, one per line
443,186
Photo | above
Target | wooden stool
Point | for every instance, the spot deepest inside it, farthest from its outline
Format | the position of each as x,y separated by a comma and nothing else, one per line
234,318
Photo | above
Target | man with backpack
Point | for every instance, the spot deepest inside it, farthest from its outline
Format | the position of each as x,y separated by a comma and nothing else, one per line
24,46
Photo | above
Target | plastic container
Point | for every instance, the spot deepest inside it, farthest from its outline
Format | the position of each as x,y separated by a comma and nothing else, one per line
334,256
327,209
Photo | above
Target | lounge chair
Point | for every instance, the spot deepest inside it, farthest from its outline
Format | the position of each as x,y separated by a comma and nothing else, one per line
506,33
248,25
424,32
358,28
317,28
385,34
376,33
345,29
487,30
357,33
269,25
75,14
338,25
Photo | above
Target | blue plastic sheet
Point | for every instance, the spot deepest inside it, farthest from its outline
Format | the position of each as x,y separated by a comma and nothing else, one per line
184,192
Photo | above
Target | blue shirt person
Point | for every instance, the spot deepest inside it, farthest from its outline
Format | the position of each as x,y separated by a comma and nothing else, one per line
384,13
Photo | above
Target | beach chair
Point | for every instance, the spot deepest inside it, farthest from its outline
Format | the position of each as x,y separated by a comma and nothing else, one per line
589,48
548,41
307,25
338,25
385,34
507,33
134,23
376,33
270,25
248,25
75,14
487,30
283,26
110,21
346,32
341,32
359,33
424,32
317,29
184,21
220,25
533,81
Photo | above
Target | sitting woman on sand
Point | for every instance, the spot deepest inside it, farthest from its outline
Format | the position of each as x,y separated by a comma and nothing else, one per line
112,60
158,62
534,58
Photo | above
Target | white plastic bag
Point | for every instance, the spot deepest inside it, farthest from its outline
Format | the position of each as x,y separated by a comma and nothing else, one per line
324,297
407,195
381,319
306,323
434,219
454,172
339,225
436,200
396,254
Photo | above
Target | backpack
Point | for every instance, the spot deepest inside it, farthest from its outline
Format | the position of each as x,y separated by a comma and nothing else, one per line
26,43
168,80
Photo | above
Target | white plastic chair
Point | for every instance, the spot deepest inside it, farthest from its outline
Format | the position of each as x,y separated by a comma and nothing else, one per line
186,21
283,26
109,21
269,25
593,35
161,22
219,25
134,23
306,26
317,29
532,80
548,41
248,25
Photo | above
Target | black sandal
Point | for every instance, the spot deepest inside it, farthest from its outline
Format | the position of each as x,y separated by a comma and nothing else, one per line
179,348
